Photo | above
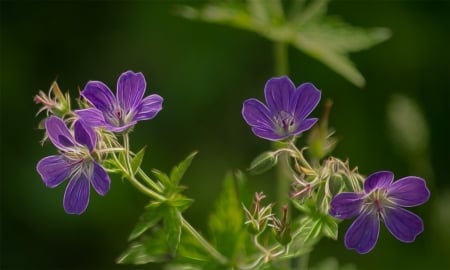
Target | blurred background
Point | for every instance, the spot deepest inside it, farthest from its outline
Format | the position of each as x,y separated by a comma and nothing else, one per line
399,121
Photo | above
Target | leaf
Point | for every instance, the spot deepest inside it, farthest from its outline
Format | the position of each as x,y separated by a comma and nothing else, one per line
178,171
227,220
172,228
163,178
152,214
263,162
330,228
137,160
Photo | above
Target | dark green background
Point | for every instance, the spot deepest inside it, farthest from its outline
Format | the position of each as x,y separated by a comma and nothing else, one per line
204,72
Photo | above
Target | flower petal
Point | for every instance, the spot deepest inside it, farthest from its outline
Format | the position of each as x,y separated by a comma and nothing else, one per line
278,92
403,224
381,179
346,205
409,191
100,180
256,114
100,96
53,170
305,125
85,135
305,100
130,90
58,133
268,134
149,107
76,197
92,117
363,233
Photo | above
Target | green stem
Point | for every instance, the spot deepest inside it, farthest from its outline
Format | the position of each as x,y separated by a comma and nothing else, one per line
149,181
281,58
206,245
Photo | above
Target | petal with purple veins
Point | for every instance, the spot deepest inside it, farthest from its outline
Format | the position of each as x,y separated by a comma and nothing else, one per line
130,90
268,134
305,100
149,107
54,170
58,133
378,180
346,205
305,125
363,233
76,197
278,92
256,114
85,135
409,191
100,96
403,224
100,179
92,117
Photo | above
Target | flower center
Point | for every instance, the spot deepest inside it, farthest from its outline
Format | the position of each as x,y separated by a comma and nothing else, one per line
118,117
285,122
377,200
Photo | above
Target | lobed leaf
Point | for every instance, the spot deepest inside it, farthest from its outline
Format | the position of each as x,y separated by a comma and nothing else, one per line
152,214
178,171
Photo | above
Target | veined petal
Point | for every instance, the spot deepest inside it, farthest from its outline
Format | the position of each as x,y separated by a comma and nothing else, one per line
268,134
76,197
278,92
409,191
92,117
378,180
149,107
346,205
363,233
58,133
100,179
305,125
305,100
256,114
85,135
122,128
403,224
130,90
100,96
53,170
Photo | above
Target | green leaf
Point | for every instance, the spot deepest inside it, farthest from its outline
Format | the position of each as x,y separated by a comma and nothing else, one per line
152,214
172,228
263,162
226,222
163,178
180,202
137,160
330,227
178,171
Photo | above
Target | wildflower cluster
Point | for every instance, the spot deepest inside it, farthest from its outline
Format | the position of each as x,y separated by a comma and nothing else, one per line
93,143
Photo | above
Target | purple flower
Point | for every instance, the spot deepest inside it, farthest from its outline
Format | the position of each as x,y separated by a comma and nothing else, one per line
286,112
74,162
119,113
381,199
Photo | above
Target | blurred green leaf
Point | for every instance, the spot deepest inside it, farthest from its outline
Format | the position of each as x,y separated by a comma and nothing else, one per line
226,222
178,171
172,228
137,160
153,213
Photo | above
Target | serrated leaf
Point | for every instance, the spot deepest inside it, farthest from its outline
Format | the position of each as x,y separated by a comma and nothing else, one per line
152,214
163,178
178,171
172,228
180,202
263,162
226,222
330,228
137,160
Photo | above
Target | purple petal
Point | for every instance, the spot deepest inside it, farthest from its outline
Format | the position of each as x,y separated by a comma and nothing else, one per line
58,133
305,100
53,170
305,125
100,180
149,107
85,135
378,180
403,224
122,128
92,117
130,90
278,92
268,134
346,205
256,114
76,197
409,191
100,96
363,233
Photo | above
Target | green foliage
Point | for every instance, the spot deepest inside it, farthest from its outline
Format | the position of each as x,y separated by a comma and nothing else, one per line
137,160
324,38
263,162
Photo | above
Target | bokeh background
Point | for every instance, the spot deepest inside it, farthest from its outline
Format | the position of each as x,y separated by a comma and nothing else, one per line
204,72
